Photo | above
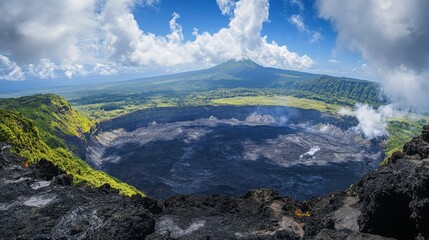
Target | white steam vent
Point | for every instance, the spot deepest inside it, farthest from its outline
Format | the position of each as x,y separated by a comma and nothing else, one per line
310,153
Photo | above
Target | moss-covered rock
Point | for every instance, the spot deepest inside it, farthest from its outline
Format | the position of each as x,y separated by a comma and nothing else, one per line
37,120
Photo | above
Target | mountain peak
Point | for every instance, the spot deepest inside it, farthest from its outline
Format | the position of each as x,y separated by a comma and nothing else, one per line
238,65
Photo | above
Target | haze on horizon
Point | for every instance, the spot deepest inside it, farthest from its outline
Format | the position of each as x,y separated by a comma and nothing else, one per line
51,40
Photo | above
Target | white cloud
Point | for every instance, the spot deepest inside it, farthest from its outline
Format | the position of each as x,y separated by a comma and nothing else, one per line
43,70
241,39
104,69
226,6
10,70
75,36
32,30
298,22
393,36
72,70
333,61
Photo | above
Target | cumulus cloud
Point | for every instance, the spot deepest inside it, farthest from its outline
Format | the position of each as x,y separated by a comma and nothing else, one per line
104,69
32,30
226,6
393,36
241,39
298,22
71,70
9,70
49,38
43,69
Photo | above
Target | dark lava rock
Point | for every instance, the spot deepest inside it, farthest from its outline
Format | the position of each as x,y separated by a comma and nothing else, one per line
327,234
425,133
150,204
38,202
262,195
391,202
255,216
395,198
44,169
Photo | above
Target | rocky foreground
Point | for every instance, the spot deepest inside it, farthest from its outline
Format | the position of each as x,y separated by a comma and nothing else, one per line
40,202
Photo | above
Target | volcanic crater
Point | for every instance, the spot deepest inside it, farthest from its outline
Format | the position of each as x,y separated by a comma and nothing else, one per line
229,150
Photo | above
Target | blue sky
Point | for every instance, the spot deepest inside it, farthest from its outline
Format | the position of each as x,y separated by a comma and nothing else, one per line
123,39
95,40
206,16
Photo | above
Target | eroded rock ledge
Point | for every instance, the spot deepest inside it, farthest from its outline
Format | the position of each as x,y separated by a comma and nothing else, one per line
39,202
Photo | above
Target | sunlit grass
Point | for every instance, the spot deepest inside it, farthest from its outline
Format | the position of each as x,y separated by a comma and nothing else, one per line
402,130
288,101
31,129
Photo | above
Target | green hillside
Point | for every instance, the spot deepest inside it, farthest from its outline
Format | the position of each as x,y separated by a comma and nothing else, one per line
60,125
402,131
52,119
337,90
233,78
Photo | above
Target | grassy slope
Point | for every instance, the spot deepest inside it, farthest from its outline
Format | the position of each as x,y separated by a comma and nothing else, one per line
344,91
99,109
400,132
229,79
279,101
53,115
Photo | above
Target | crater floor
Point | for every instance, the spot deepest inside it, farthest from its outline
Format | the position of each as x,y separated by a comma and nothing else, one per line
228,150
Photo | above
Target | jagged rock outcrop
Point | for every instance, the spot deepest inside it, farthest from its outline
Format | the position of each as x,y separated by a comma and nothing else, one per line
395,197
392,202
39,202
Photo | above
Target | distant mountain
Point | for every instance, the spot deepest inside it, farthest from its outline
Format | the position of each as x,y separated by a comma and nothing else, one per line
247,70
233,74
245,74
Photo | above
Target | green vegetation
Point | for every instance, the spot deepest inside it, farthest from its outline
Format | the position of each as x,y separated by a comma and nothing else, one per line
400,132
279,101
26,137
230,79
108,110
345,91
231,83
53,115
116,105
